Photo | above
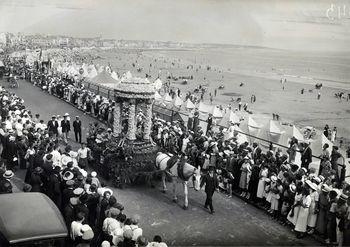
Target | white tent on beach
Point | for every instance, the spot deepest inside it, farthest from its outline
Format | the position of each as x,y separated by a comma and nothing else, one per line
253,127
178,101
189,105
216,112
157,96
228,118
291,131
237,133
167,98
204,108
92,72
114,76
85,68
158,84
275,131
316,145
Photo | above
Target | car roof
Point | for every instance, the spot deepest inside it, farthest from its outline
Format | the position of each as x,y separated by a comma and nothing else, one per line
29,217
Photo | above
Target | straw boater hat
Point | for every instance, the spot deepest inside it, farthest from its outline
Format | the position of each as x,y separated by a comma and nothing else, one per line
68,175
70,182
101,191
74,201
343,197
311,184
321,177
325,188
93,174
317,180
66,115
8,174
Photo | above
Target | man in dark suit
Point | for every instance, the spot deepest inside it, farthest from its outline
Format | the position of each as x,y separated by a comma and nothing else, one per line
306,156
65,125
211,184
52,126
77,129
210,122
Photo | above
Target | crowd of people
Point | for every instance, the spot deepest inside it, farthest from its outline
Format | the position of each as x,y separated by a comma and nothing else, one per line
66,87
310,201
91,211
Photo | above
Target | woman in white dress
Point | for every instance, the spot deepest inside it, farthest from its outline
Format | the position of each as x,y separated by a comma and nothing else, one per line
260,194
59,128
303,214
313,213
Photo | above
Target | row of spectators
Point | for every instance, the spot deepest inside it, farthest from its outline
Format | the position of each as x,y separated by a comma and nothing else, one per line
311,201
92,213
73,91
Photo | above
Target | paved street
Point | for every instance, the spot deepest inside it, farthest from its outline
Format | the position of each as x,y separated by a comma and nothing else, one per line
235,222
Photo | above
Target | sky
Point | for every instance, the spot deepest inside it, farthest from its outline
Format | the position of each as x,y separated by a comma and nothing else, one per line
287,24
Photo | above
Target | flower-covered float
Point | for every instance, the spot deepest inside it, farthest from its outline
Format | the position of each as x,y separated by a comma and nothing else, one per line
127,152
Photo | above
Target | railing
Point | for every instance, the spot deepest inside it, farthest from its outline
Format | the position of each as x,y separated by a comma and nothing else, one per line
99,89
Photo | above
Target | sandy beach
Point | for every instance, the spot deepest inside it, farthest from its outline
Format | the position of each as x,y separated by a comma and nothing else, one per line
260,69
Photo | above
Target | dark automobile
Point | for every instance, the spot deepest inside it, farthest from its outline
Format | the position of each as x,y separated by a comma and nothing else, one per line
30,219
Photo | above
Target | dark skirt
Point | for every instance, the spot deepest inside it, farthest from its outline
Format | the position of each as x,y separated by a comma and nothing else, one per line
332,227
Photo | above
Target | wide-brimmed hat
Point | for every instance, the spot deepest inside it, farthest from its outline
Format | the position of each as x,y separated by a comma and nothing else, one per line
65,159
325,188
88,233
73,154
311,184
102,191
8,174
68,175
74,201
292,188
78,191
66,114
304,169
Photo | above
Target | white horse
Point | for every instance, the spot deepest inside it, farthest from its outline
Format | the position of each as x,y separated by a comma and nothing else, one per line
186,172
